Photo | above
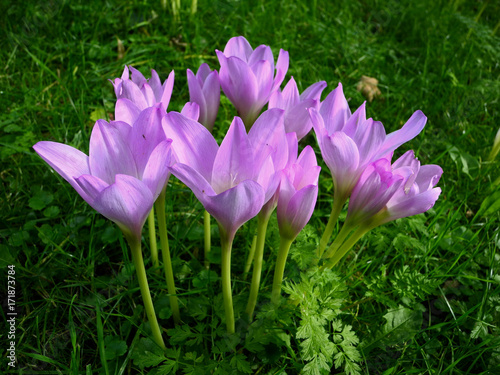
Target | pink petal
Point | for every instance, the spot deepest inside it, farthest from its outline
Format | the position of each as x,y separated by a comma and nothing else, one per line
410,130
92,186
196,95
414,205
69,162
127,202
109,152
126,110
202,73
149,95
168,86
234,161
267,135
239,47
137,77
314,91
233,207
191,110
132,92
335,110
211,92
262,53
157,170
298,120
281,69
145,135
290,95
192,143
298,212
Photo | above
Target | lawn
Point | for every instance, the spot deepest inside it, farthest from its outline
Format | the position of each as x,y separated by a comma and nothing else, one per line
416,296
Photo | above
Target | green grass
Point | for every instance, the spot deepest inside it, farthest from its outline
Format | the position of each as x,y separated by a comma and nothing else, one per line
438,273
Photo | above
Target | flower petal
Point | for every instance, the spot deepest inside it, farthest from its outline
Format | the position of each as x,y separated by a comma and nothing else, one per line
168,86
233,207
191,110
234,161
314,91
157,170
69,162
127,202
267,135
145,135
410,130
281,69
239,47
335,110
414,205
109,152
126,111
192,143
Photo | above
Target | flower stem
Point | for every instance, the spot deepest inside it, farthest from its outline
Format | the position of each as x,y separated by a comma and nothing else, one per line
285,244
348,244
152,239
135,246
338,203
206,225
226,245
262,221
251,255
165,252
344,232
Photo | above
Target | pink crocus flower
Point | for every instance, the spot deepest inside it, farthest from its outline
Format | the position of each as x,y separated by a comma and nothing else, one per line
385,193
204,90
247,76
349,143
297,194
125,171
232,181
297,118
136,93
388,192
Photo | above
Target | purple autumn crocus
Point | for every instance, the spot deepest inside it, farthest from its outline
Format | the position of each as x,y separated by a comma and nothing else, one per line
297,197
232,181
349,143
125,171
247,76
204,90
385,193
297,118
135,93
297,194
418,193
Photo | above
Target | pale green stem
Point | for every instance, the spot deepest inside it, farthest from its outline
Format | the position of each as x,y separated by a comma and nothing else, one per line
250,257
165,252
262,221
135,246
206,226
339,240
152,239
285,244
338,203
194,6
226,245
348,244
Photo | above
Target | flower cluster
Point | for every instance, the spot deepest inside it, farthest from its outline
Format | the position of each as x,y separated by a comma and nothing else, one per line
256,168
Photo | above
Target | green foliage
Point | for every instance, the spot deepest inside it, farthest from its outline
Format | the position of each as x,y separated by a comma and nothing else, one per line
421,294
320,295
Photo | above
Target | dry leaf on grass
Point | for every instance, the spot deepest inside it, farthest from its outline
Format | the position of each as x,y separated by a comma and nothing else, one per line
368,87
